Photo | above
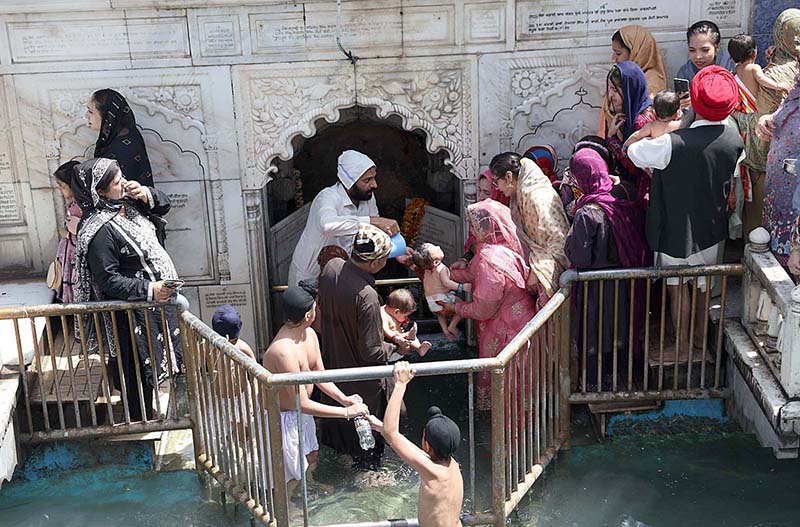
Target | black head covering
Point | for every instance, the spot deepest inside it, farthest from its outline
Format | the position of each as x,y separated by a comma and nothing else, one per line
119,138
227,322
91,175
442,434
296,302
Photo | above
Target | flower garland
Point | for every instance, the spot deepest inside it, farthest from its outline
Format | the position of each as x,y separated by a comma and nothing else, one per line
412,220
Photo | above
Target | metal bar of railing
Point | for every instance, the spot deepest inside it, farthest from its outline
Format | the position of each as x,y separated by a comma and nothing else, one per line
707,304
301,458
471,416
720,328
25,388
87,308
70,370
37,359
498,450
154,365
171,367
631,330
51,345
122,381
646,365
81,335
101,350
615,336
145,413
652,273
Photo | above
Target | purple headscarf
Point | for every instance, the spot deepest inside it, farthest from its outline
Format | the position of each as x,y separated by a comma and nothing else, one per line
591,172
635,99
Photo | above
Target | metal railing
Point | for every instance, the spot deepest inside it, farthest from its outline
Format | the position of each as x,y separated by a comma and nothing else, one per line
529,414
234,403
67,390
627,347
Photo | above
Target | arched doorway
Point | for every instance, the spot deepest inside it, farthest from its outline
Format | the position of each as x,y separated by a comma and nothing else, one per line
406,170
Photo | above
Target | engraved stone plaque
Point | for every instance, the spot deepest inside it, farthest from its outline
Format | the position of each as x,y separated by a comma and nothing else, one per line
486,22
560,18
10,211
211,297
219,36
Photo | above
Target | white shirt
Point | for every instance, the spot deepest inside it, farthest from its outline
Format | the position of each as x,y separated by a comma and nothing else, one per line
332,220
657,153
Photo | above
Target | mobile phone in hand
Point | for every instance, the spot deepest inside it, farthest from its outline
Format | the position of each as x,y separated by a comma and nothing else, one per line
174,284
681,85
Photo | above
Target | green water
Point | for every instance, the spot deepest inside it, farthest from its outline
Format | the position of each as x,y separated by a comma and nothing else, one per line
711,478
672,480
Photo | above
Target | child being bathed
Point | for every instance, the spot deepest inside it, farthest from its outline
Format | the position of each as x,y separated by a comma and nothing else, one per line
438,286
667,106
395,316
441,489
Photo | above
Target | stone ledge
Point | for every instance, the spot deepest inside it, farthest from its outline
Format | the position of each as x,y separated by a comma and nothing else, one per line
776,421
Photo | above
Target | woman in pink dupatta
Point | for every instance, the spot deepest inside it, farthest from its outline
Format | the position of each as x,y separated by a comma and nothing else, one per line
498,273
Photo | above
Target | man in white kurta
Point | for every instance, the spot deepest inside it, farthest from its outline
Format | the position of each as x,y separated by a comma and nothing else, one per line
336,213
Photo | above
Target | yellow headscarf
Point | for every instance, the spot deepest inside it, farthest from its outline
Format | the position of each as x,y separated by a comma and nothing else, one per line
644,52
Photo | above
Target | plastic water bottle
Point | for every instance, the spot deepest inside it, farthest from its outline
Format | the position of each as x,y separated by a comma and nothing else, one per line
364,430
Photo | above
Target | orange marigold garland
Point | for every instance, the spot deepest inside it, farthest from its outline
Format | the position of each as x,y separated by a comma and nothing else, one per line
412,220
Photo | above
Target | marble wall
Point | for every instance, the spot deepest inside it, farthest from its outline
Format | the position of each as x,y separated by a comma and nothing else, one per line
222,87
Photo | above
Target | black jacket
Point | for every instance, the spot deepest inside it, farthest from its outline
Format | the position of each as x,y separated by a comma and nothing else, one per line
688,209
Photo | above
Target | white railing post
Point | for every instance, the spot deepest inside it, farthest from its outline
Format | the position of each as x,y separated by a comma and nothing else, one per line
753,303
789,347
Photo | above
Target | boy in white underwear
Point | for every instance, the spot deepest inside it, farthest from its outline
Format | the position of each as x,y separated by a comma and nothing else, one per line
295,348
438,286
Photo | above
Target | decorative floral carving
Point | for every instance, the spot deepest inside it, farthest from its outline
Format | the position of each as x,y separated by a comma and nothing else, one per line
221,231
71,103
436,98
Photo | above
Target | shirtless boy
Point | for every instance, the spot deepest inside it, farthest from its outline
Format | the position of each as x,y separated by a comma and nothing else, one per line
441,490
667,106
294,349
749,75
394,315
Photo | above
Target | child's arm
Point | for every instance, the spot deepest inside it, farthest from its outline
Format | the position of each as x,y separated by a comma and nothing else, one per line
408,451
444,277
766,82
638,135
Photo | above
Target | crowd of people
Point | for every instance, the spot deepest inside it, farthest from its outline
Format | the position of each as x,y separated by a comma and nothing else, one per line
669,176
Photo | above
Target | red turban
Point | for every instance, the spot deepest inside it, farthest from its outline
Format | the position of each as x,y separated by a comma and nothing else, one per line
714,93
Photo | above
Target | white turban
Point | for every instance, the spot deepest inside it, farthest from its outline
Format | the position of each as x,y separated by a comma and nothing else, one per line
351,167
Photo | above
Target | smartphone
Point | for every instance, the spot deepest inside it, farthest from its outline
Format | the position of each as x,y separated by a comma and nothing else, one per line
681,85
174,284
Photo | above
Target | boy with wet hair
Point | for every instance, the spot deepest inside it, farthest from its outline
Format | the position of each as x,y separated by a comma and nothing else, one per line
395,316
441,489
667,105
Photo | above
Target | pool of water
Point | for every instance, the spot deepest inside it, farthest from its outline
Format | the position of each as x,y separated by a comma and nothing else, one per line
669,480
706,475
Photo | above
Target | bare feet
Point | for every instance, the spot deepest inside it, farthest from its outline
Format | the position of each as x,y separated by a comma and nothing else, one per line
423,348
449,335
453,333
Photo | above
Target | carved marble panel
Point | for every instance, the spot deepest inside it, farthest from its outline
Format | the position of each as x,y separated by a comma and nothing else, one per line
113,39
538,98
282,101
186,119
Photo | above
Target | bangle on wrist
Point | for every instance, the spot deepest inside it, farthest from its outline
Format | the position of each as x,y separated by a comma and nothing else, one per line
460,288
